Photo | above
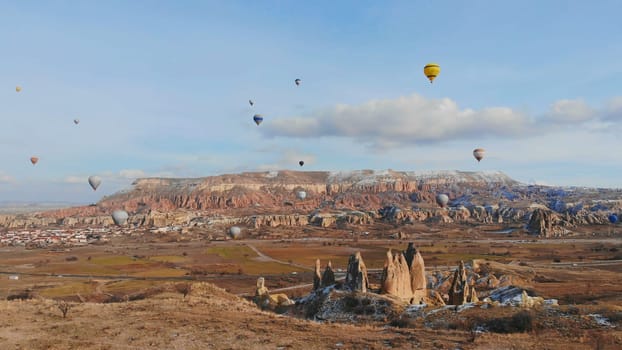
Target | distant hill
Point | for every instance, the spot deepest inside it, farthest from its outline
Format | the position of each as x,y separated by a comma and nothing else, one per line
18,207
271,198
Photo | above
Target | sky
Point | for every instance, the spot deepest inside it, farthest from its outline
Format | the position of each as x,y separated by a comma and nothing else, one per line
161,89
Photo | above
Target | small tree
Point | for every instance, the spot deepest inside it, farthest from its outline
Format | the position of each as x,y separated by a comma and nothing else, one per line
64,307
183,288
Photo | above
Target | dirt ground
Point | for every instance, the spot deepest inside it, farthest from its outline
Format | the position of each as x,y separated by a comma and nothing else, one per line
121,300
210,318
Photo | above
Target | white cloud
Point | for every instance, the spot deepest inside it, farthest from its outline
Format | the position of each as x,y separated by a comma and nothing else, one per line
75,179
6,178
416,119
132,173
569,111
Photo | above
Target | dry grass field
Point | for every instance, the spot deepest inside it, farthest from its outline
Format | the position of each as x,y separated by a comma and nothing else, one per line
123,295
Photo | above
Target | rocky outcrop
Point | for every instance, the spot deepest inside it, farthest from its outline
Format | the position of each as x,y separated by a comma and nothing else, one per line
279,220
404,276
546,223
356,277
321,280
396,277
461,292
328,278
265,300
515,296
317,276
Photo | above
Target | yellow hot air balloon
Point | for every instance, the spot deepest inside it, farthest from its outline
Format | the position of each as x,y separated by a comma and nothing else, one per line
18,88
431,70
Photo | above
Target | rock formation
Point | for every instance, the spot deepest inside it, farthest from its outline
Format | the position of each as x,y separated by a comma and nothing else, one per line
356,277
261,292
404,275
317,276
264,299
268,199
328,278
321,280
396,277
545,223
461,292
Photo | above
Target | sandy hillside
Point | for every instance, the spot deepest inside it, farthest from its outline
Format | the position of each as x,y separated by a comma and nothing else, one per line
210,318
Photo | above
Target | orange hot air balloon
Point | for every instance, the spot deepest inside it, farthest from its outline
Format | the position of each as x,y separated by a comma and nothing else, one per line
34,160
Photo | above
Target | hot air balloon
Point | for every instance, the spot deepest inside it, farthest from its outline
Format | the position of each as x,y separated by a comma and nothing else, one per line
34,160
18,88
301,195
120,217
297,81
442,200
95,181
613,218
301,163
431,70
258,119
478,153
234,232
250,102
76,121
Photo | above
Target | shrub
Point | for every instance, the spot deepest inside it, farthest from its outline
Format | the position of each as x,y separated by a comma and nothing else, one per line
23,295
400,323
520,322
71,258
350,302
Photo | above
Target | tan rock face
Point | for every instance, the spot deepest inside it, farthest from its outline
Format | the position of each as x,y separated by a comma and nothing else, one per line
264,299
317,276
261,289
546,223
404,275
396,276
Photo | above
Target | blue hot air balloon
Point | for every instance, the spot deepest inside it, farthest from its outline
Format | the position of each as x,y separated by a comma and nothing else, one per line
613,218
258,119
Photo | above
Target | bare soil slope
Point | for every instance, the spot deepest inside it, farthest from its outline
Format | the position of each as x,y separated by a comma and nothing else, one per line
210,318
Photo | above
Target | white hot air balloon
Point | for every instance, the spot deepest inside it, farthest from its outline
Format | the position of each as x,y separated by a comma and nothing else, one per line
120,217
95,181
301,195
478,153
442,200
235,232
76,121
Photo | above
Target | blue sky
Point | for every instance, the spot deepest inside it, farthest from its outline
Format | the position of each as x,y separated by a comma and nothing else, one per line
161,89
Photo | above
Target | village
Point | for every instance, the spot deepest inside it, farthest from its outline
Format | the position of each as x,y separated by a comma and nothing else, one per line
41,238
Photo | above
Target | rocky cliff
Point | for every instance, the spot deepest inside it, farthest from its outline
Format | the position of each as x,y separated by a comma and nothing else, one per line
335,199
